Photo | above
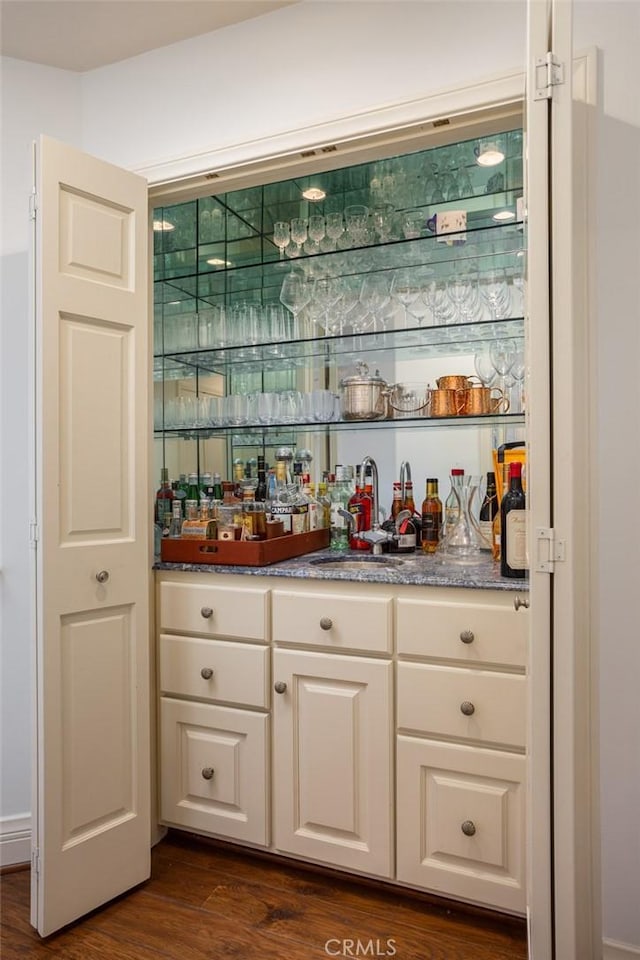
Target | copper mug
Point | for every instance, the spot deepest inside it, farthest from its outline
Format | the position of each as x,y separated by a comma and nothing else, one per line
481,400
455,382
446,402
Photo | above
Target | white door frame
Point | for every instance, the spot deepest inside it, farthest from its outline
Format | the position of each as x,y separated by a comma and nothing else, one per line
556,905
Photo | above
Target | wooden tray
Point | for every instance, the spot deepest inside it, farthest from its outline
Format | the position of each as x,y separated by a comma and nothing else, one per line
252,553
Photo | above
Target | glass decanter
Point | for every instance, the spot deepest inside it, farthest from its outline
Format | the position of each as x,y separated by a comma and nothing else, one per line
463,541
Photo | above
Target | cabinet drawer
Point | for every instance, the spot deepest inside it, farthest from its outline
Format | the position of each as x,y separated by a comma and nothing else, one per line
339,621
214,770
462,829
469,704
235,611
494,632
239,670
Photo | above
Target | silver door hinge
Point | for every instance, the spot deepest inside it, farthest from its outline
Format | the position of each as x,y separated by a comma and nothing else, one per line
549,550
34,532
549,74
35,862
33,205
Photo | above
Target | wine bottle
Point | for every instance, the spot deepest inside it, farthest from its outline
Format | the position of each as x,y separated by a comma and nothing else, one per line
431,517
513,526
488,511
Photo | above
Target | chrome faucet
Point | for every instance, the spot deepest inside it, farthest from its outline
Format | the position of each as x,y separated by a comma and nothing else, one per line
375,535
405,476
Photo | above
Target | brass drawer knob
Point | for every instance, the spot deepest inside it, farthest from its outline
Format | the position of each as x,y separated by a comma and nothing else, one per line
468,828
519,601
206,673
207,773
467,708
206,612
467,636
326,623
279,686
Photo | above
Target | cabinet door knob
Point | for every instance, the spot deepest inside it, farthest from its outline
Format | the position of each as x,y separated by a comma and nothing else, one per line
206,612
206,673
468,827
467,636
326,623
102,576
519,601
279,686
467,708
207,773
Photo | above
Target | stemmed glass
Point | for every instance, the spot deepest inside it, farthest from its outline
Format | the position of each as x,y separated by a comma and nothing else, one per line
316,233
334,226
298,236
406,291
484,367
375,294
327,291
295,295
503,355
495,292
281,236
436,298
463,293
517,372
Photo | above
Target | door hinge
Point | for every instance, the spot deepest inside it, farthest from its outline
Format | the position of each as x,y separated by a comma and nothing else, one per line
35,862
549,74
549,550
34,532
33,205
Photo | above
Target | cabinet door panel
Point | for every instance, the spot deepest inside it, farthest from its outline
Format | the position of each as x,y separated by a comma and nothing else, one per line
332,760
462,831
214,770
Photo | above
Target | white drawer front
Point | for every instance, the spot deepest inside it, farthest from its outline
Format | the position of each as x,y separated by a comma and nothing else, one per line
494,633
478,705
345,622
214,770
214,670
462,829
235,612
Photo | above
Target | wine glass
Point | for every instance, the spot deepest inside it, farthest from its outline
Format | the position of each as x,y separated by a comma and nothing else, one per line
334,226
463,293
503,354
494,290
484,367
316,232
375,294
281,236
436,298
295,295
517,372
406,291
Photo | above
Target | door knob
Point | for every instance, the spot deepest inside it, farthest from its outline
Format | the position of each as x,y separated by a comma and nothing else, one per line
467,708
467,636
206,673
102,576
468,828
519,601
279,686
206,612
207,773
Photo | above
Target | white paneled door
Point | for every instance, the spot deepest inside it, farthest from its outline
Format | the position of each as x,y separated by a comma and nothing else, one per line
91,533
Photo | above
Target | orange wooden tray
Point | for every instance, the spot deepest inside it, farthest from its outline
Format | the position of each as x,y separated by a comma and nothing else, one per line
251,553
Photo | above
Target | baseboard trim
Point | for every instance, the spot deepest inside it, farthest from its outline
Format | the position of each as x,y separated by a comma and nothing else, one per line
613,950
15,839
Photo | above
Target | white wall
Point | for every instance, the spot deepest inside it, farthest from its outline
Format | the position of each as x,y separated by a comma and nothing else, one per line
35,100
318,61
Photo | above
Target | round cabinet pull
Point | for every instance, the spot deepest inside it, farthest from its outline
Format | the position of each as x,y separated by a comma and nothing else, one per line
326,623
206,673
468,828
518,602
206,612
467,636
102,576
467,708
279,686
207,773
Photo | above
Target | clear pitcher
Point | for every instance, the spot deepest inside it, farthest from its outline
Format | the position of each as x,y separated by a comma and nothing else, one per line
463,541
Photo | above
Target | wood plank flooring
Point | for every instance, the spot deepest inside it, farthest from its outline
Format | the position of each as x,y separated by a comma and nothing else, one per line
206,900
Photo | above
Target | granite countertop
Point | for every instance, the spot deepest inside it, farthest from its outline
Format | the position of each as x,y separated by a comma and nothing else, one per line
410,569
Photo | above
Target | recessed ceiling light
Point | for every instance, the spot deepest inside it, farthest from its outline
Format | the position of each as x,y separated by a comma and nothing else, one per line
489,153
218,262
313,193
504,215
163,225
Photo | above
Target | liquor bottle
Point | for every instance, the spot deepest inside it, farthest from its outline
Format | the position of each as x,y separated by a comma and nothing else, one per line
396,503
513,526
164,497
408,503
431,517
325,502
193,489
314,509
452,503
206,482
261,489
200,528
218,492
488,511
281,504
339,493
359,506
175,530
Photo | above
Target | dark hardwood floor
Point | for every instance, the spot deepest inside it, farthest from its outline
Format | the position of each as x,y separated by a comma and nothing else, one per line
206,901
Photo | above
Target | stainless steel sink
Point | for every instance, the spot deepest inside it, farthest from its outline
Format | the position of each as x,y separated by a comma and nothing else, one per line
355,563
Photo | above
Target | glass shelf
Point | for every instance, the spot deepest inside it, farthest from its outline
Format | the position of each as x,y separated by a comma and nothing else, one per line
258,433
446,340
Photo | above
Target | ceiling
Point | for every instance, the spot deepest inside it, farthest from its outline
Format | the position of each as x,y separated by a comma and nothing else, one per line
81,35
